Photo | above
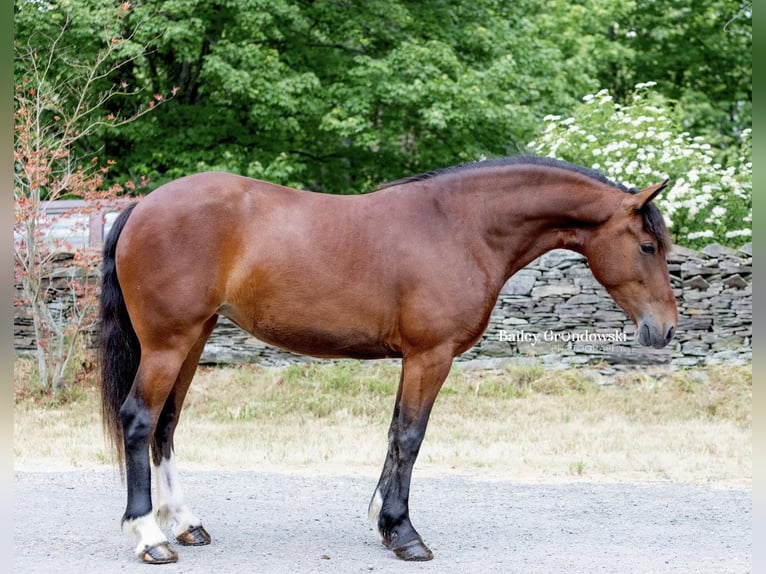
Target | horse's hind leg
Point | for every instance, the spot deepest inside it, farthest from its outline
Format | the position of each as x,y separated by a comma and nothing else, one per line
139,414
422,377
171,505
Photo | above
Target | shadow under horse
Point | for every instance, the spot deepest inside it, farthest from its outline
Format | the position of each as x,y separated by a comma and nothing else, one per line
411,270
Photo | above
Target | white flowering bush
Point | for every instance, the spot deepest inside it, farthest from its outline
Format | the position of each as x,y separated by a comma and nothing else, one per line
640,143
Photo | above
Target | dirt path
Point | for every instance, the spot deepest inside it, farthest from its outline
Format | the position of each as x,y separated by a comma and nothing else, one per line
68,523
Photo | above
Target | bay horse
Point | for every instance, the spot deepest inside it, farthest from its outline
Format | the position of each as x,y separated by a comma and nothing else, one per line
411,270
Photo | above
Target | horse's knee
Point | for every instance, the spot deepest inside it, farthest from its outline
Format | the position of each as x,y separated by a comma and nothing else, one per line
411,439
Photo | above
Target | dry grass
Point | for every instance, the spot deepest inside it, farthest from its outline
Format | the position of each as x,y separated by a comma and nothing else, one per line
522,423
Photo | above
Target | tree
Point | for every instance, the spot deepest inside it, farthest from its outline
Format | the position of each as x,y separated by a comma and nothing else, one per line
59,102
698,52
701,56
339,96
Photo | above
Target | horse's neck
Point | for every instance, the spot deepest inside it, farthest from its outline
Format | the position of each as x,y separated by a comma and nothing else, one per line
521,218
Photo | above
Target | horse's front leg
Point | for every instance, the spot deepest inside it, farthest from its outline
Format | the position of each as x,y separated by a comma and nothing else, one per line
422,377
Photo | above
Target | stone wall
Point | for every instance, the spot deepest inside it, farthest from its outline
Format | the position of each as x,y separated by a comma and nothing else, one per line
58,288
577,322
554,311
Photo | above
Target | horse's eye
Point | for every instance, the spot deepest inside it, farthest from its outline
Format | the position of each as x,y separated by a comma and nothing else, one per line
647,248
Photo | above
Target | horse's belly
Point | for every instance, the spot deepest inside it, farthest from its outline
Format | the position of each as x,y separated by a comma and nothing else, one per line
309,333
330,346
326,344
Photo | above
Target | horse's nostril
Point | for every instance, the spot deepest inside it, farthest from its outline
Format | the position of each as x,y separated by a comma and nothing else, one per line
669,335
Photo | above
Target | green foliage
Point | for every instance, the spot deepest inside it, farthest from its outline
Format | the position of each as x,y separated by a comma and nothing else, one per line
341,96
336,97
643,142
700,55
698,51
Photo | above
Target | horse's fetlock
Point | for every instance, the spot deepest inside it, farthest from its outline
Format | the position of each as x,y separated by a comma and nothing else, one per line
164,515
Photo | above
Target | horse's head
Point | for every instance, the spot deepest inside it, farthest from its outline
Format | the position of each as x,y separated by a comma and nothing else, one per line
626,254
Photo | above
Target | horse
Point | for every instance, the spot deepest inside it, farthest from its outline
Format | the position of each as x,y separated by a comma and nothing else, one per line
411,270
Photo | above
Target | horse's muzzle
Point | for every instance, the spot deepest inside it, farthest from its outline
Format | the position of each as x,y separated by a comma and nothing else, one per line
652,335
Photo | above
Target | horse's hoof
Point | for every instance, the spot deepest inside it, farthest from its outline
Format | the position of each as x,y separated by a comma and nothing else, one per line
414,551
194,536
162,553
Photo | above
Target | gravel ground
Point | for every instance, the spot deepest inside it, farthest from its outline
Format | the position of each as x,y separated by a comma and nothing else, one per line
68,523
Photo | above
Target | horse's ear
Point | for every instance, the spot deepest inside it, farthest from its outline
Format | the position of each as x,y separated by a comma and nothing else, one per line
638,200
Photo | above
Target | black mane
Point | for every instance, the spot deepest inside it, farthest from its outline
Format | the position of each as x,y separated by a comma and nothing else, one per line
655,223
513,160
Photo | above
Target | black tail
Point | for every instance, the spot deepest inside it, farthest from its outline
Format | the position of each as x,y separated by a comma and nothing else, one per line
119,349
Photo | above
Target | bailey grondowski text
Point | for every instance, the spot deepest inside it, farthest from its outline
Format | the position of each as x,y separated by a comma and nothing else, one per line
583,340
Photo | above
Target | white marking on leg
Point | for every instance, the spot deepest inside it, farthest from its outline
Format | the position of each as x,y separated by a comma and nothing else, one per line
171,506
376,505
145,531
